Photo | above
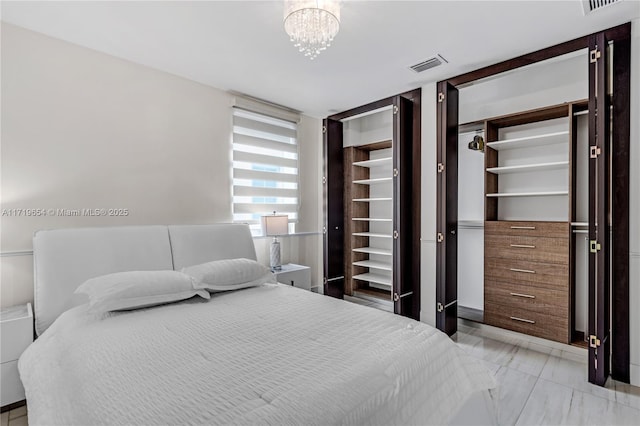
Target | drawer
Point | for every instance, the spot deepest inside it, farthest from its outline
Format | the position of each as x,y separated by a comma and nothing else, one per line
542,300
534,249
554,276
11,389
527,229
528,322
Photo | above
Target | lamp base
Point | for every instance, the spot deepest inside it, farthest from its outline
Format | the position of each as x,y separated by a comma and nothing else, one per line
274,256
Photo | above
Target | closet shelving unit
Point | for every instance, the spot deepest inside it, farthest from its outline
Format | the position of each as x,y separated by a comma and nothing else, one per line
369,198
372,203
529,207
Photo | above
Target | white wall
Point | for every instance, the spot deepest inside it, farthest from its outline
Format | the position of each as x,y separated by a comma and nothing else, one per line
428,206
81,129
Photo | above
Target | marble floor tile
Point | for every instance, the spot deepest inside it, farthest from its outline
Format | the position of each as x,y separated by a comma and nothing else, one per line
525,360
571,356
625,394
19,421
493,368
555,404
466,329
538,348
495,351
513,390
357,300
18,412
575,375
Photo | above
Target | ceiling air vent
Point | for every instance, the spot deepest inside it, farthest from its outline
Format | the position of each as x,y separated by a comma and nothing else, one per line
428,64
589,6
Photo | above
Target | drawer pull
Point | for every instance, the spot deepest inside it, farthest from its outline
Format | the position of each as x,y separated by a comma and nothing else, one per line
528,296
524,227
523,246
522,320
526,271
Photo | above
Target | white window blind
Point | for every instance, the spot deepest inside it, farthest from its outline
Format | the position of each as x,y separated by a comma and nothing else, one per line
265,168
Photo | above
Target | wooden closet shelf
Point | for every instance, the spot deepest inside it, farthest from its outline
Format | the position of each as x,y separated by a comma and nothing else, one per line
528,194
559,165
374,265
373,278
366,200
373,163
371,234
529,141
372,181
373,250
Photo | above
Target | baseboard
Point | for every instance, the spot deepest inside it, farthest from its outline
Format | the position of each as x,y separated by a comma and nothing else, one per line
13,406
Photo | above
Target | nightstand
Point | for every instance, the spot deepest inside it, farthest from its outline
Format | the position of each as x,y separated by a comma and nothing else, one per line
16,333
295,275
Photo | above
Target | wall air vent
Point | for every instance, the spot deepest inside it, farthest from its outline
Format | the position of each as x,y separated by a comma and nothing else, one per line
429,63
589,6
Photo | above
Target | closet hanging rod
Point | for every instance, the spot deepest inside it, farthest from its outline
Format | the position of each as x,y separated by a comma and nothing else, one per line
579,223
580,231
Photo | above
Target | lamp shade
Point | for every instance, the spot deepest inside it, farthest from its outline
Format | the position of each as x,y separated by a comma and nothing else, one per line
275,225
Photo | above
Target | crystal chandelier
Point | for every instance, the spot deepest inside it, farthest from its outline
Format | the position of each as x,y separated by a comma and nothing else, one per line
311,24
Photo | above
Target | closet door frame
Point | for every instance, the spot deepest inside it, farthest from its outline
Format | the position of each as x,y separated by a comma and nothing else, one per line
333,223
447,209
446,263
407,159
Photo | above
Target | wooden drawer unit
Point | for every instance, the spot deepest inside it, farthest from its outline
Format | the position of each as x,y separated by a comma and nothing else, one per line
527,229
528,322
544,275
526,269
534,249
523,296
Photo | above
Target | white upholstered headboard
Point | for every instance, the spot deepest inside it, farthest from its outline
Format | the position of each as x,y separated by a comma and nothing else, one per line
65,258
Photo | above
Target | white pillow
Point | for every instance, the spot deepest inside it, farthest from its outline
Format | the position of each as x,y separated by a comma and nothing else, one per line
229,274
138,289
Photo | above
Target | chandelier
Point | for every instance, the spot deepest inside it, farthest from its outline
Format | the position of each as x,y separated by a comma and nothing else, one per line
311,24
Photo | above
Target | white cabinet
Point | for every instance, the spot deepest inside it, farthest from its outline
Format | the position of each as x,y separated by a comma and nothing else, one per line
295,275
16,333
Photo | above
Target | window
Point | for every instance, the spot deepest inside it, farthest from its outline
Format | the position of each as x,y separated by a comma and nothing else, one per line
265,168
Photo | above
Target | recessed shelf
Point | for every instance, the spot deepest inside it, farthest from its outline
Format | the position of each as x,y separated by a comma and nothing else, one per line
373,250
374,265
373,278
378,295
372,181
366,200
559,165
528,194
371,234
373,163
371,219
529,141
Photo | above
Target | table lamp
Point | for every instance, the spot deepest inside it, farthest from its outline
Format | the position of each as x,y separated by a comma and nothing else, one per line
274,226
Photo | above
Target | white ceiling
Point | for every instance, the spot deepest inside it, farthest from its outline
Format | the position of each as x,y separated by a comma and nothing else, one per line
241,45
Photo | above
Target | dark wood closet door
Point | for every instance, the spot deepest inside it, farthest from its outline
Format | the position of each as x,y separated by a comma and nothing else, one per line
599,208
333,188
447,211
405,280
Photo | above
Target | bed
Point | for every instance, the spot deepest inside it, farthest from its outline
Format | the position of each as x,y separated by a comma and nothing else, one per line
269,354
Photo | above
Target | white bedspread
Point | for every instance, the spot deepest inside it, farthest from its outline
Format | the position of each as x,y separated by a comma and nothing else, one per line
266,355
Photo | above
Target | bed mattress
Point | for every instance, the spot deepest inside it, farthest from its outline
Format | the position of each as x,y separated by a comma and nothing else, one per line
266,355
